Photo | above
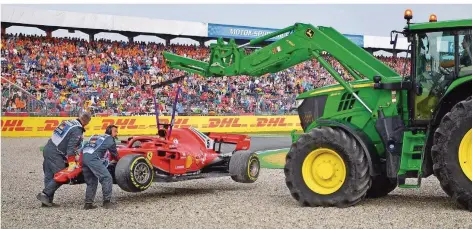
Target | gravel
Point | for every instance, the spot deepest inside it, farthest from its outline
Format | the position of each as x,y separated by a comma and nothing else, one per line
209,203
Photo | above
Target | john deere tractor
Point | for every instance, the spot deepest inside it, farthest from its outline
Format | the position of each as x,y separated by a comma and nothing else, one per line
365,137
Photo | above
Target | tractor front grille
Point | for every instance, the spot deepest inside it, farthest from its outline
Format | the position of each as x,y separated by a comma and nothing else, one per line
347,101
311,109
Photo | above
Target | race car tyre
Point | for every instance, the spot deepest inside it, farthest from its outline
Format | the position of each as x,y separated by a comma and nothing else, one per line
77,180
327,167
452,153
244,167
111,168
134,173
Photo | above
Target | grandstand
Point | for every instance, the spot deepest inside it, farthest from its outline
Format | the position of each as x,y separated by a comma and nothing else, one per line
51,76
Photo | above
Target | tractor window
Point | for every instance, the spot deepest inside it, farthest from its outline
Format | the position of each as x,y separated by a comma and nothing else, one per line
434,66
465,53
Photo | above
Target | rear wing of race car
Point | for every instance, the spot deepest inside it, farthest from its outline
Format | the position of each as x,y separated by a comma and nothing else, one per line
243,142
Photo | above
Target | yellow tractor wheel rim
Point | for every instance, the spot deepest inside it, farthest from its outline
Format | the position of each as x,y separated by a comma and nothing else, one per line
465,154
324,171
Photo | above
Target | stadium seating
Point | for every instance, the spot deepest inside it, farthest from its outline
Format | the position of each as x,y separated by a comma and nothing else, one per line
64,76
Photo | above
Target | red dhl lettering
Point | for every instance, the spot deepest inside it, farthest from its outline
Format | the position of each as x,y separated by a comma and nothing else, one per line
13,125
178,123
262,122
163,121
181,123
122,123
51,125
223,122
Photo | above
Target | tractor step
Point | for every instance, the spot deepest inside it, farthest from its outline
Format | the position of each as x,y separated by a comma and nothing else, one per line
411,159
402,182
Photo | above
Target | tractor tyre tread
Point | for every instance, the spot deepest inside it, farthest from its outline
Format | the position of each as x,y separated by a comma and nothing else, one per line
381,186
444,151
357,180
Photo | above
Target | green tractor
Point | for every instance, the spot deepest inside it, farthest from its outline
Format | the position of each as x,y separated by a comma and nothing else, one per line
363,138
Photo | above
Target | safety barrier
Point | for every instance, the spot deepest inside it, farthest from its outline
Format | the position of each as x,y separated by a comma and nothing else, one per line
146,125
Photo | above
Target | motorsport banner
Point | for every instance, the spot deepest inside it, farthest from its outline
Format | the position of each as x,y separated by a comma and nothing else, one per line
240,32
248,33
146,125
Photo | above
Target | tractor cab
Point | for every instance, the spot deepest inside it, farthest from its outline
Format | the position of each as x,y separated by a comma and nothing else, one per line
440,55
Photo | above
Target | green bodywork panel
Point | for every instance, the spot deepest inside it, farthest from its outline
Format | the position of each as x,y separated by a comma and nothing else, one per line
295,136
440,25
458,82
325,90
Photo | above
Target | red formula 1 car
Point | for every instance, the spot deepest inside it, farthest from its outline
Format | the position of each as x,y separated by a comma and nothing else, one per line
176,155
186,154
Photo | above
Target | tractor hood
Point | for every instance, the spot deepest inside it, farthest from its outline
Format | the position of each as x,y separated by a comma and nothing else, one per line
335,87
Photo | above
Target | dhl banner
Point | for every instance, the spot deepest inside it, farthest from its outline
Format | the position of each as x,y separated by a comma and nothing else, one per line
146,125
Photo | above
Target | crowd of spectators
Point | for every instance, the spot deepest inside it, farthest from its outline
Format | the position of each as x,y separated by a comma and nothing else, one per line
70,75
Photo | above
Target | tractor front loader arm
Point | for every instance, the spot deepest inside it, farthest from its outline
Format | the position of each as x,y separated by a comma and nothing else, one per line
186,64
302,43
226,59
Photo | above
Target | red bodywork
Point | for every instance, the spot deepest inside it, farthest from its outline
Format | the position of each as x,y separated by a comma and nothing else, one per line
187,150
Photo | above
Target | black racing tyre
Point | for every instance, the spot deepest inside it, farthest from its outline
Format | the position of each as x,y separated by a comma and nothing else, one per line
134,173
244,167
327,167
381,186
77,180
452,153
111,168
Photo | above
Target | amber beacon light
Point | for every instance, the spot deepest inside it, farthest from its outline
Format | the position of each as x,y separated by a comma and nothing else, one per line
408,14
433,18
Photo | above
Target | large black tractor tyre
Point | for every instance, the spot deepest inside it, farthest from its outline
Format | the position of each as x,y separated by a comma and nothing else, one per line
244,167
134,173
452,153
327,167
381,186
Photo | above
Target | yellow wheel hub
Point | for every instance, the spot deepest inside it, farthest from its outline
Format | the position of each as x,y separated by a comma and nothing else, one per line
465,154
324,171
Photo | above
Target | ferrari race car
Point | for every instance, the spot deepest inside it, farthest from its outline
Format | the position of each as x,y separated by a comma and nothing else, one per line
186,154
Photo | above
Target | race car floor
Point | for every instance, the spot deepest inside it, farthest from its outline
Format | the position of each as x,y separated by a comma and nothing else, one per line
210,203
